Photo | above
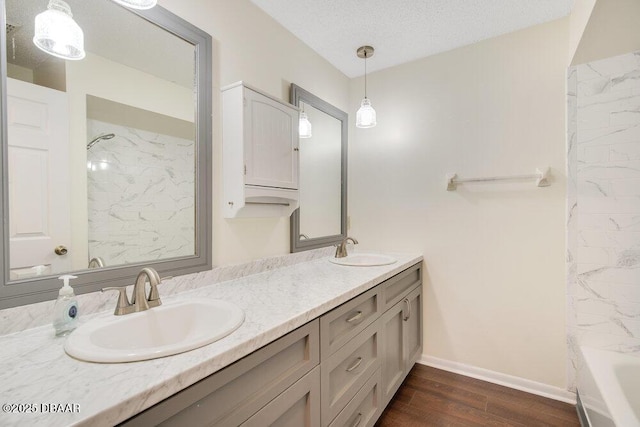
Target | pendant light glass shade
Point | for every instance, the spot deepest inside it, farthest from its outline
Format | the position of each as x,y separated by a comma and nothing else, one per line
137,4
57,34
366,115
305,126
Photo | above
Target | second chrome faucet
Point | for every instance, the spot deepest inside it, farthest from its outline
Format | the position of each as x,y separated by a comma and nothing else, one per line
140,300
341,249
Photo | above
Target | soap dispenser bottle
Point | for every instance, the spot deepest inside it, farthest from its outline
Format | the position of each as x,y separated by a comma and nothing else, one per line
65,311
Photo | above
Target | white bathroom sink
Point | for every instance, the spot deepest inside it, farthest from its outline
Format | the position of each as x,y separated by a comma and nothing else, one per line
169,329
364,260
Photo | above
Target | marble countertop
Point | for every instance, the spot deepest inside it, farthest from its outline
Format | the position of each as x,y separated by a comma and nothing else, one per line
57,390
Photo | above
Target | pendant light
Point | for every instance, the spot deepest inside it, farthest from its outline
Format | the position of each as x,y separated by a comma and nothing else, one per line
366,115
137,4
57,34
304,127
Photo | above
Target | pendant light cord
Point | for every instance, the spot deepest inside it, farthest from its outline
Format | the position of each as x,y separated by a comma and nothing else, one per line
365,74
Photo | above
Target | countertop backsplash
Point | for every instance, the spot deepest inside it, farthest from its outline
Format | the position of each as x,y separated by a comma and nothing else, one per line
25,317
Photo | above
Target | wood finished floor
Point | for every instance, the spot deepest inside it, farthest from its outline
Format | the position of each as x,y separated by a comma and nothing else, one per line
432,397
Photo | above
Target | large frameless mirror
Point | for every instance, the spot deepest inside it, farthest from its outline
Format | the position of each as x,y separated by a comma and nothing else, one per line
106,157
321,219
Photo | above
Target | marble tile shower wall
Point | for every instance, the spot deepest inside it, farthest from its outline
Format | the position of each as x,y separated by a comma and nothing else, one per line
141,195
603,229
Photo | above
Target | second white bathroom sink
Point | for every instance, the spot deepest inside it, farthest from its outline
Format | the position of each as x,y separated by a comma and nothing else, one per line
169,329
364,260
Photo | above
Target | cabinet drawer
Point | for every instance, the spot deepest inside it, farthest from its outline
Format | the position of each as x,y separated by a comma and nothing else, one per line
231,396
364,408
346,371
343,323
397,287
298,406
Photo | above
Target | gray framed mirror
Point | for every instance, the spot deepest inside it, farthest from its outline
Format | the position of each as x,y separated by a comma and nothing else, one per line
321,219
106,161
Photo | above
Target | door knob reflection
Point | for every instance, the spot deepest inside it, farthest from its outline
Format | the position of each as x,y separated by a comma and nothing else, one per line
61,250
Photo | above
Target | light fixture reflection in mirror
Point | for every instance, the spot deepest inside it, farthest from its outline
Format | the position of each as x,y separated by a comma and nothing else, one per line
305,126
57,34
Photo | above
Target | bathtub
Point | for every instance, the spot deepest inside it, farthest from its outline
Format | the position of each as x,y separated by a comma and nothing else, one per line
609,388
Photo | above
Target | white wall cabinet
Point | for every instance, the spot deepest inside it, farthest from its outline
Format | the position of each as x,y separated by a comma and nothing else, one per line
260,153
340,369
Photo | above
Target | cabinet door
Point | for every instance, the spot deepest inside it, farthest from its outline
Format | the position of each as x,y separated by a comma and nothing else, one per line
298,406
401,341
393,366
413,328
271,142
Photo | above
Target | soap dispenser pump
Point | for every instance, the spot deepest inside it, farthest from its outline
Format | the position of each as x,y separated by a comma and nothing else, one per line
65,311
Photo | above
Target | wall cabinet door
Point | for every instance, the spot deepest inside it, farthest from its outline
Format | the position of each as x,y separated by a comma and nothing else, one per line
271,142
401,341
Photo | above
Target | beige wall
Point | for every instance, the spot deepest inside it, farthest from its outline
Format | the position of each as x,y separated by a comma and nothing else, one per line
494,253
578,21
250,46
612,30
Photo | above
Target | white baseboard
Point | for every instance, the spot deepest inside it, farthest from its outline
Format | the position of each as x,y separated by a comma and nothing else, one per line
511,381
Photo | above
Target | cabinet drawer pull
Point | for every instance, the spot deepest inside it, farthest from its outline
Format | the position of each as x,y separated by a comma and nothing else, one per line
355,317
406,301
356,423
355,364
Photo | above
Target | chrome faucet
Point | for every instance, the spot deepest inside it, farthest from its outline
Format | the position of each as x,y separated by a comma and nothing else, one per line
341,250
140,301
96,262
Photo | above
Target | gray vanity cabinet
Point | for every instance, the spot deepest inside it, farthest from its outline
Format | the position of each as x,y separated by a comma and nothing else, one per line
339,370
232,396
367,347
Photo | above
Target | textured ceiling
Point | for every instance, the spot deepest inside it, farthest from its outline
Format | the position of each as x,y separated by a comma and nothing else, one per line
403,30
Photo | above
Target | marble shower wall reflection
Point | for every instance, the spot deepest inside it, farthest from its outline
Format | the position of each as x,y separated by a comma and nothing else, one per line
603,241
140,195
